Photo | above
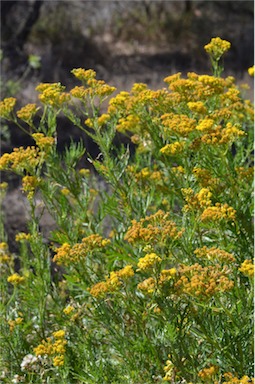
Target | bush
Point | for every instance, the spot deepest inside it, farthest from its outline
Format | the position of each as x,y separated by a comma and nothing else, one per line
149,278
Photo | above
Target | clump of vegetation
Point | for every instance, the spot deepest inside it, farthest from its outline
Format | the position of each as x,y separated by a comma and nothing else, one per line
154,278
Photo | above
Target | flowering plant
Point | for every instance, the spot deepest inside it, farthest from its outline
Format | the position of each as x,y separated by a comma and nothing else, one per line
153,276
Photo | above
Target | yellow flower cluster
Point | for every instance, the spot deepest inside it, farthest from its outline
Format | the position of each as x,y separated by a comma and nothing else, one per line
208,373
251,71
247,268
169,370
52,94
21,159
148,285
219,212
148,261
205,125
43,142
14,323
153,229
217,47
28,112
205,179
204,282
229,378
166,275
5,258
67,255
54,346
6,107
173,149
245,173
196,201
83,74
129,123
112,283
16,279
214,253
180,124
145,174
29,184
197,107
219,135
21,236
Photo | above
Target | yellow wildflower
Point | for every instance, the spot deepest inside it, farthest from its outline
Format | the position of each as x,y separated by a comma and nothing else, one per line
251,71
207,373
205,125
217,47
147,285
173,149
66,254
84,74
14,323
22,236
180,124
166,275
148,261
214,253
27,112
15,279
43,142
59,334
197,107
68,310
29,184
247,268
52,94
219,212
6,107
58,361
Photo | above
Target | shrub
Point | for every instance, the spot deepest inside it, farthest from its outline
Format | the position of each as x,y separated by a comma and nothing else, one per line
154,278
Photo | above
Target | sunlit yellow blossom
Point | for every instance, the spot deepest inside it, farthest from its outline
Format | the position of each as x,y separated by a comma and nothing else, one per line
125,272
172,78
52,94
219,212
229,378
178,169
83,74
27,112
67,255
59,334
177,123
15,279
6,107
99,289
205,125
207,373
173,149
196,201
58,361
138,87
247,268
43,142
197,107
104,118
166,275
148,261
203,282
152,229
251,71
65,191
169,371
68,310
147,285
84,172
29,184
22,236
214,254
217,47
14,323
21,159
